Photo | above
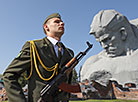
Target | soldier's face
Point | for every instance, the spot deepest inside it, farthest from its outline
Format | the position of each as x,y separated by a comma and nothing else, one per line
55,26
111,41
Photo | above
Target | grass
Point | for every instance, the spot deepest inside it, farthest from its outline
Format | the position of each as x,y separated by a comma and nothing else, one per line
93,100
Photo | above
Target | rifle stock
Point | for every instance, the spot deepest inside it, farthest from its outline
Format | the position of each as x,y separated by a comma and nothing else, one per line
62,76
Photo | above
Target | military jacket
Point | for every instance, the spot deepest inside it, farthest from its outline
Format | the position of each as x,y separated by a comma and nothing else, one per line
22,63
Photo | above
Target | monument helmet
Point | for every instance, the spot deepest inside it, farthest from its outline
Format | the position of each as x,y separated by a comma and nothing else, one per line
106,19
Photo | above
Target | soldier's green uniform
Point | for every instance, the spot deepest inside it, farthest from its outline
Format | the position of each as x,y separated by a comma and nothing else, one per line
37,80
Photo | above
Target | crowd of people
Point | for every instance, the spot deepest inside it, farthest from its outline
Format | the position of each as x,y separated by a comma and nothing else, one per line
3,95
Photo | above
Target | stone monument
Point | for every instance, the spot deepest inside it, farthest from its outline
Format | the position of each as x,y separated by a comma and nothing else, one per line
119,60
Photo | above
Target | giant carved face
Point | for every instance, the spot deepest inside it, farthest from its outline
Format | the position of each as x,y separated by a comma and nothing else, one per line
111,40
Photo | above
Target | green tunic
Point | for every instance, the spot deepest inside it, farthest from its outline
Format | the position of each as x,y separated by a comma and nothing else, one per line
22,63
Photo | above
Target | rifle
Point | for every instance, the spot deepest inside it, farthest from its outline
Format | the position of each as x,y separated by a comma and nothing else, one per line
62,76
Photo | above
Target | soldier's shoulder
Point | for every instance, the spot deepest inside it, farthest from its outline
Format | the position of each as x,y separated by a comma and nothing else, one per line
27,43
70,51
39,43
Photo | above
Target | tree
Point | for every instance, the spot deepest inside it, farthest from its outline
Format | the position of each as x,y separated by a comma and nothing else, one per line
75,77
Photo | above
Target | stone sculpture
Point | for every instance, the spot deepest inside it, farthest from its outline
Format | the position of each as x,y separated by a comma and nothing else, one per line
119,59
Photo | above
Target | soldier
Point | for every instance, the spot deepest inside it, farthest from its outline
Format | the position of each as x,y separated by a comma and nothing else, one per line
42,60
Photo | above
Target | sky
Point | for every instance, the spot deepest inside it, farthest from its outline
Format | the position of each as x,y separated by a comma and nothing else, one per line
22,20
